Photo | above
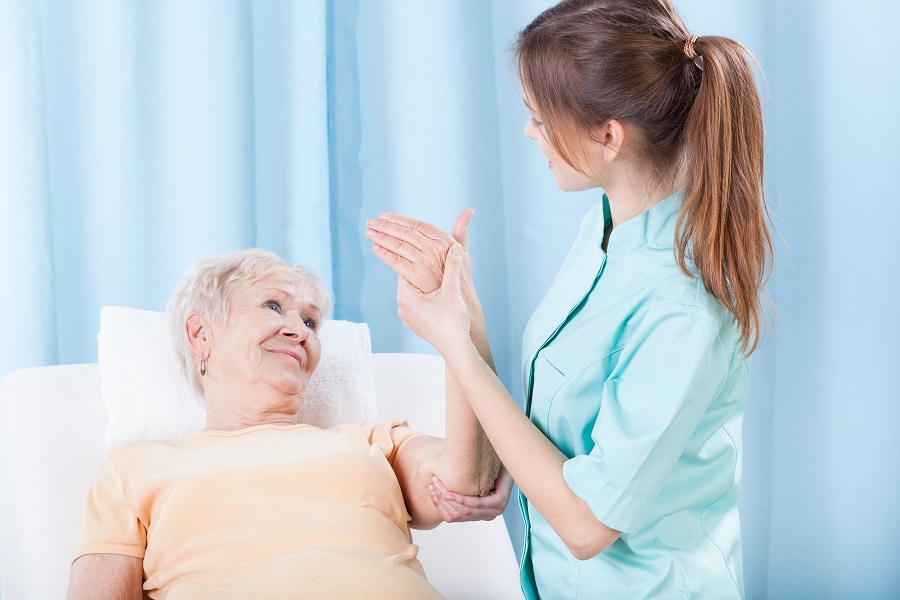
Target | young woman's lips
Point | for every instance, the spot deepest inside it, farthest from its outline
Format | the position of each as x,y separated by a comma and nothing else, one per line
549,164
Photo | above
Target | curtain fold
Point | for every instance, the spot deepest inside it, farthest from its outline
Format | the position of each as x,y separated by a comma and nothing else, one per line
27,303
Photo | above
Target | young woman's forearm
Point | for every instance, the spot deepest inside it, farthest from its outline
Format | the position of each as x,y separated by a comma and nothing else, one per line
534,462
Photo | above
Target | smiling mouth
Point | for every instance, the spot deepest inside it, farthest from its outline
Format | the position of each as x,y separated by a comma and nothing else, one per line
290,354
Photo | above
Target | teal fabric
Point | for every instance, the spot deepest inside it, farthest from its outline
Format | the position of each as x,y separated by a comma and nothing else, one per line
634,371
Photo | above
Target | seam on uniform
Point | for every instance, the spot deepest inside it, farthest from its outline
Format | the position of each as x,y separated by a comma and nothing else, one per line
704,509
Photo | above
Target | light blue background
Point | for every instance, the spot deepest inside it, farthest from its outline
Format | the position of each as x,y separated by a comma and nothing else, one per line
136,137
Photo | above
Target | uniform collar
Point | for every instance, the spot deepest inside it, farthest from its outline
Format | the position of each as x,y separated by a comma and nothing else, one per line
653,228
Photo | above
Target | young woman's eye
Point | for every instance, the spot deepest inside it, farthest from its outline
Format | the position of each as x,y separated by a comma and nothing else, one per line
535,122
273,305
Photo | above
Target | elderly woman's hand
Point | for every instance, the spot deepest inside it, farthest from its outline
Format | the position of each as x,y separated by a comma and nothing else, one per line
455,507
415,250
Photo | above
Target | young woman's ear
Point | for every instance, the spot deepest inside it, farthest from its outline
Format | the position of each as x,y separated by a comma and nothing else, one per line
612,138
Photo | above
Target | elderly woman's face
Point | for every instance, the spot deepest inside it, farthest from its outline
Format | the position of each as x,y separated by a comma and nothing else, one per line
270,336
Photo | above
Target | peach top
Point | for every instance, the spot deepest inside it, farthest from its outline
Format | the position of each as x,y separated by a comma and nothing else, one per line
274,511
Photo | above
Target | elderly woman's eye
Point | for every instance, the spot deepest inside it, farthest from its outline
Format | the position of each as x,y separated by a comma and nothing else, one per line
311,323
273,305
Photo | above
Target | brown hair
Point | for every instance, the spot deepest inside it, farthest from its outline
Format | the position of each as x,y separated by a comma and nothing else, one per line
585,62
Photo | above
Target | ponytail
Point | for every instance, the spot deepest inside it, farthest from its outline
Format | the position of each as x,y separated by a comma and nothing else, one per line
722,226
694,100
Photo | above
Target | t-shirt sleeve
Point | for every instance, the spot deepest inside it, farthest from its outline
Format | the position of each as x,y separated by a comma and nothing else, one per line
666,377
110,525
391,436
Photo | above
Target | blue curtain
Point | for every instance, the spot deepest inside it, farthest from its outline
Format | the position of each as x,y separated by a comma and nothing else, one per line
137,137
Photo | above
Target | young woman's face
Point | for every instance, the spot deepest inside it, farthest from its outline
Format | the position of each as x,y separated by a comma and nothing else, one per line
568,178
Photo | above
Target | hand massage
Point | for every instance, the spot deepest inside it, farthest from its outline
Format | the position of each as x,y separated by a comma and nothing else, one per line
258,504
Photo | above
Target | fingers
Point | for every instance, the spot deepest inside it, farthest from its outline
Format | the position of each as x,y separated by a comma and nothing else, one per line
447,511
492,504
396,234
393,244
456,507
410,253
426,229
452,269
504,482
401,266
460,231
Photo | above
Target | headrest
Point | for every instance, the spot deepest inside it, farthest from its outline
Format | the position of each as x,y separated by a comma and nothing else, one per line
148,397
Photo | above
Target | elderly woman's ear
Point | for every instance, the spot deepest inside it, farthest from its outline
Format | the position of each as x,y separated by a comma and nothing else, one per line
199,335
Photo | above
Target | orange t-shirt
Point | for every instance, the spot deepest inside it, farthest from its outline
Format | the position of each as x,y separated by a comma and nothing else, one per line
273,511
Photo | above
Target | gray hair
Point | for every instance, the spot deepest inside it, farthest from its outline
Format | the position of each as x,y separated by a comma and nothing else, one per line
208,285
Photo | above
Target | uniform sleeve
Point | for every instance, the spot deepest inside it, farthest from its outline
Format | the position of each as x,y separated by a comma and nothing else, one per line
666,377
391,436
110,525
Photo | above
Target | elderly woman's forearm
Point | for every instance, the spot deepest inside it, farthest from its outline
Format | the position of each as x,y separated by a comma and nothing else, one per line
469,464
464,461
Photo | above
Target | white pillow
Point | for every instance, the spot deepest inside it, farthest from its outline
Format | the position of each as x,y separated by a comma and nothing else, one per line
148,397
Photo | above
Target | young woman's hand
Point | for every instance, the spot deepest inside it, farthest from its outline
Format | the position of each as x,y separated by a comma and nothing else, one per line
441,317
455,507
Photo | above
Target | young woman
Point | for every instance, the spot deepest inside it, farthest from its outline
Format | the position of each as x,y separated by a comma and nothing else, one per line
636,361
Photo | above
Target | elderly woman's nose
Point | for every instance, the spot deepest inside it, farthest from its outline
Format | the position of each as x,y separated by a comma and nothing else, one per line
294,326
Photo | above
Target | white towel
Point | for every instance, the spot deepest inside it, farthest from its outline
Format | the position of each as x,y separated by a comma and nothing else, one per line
148,397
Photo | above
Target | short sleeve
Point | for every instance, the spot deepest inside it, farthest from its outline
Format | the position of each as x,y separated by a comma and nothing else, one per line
391,435
667,376
110,525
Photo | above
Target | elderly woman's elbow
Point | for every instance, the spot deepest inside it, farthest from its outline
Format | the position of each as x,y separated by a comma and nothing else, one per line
481,483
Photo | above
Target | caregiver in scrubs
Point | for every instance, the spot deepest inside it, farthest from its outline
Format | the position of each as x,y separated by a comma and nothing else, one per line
635,364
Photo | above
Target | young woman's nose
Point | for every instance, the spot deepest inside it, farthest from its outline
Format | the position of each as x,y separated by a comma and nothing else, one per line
530,129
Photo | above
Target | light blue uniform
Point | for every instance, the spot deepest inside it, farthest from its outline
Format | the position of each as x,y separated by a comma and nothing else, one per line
633,370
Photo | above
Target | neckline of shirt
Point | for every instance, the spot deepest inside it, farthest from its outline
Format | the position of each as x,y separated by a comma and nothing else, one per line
653,228
234,432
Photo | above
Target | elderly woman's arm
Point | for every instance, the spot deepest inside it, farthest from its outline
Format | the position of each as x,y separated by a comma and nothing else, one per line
108,576
465,462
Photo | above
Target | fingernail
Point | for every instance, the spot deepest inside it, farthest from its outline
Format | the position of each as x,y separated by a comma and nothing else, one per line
434,480
431,488
371,222
369,233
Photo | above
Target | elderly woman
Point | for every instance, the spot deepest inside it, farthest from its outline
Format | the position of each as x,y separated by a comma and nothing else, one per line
258,504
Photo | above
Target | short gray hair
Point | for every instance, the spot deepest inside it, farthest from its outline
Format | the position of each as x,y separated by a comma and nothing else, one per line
208,285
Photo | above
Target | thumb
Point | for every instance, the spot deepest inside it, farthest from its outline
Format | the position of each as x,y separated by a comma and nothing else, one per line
452,269
460,231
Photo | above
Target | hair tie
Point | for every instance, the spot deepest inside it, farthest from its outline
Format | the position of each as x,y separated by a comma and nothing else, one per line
689,46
